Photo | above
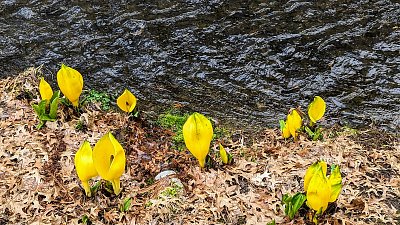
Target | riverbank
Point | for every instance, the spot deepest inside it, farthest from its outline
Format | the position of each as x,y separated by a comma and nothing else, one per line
40,186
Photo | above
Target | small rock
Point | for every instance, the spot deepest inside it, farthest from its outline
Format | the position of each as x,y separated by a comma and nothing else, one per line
164,174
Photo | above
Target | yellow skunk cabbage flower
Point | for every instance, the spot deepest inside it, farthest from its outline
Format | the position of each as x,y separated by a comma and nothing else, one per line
286,131
318,191
126,101
312,170
293,123
109,160
45,90
197,133
316,109
84,166
223,154
335,179
70,82
321,189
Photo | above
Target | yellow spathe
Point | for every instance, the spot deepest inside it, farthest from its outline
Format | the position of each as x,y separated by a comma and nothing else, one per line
335,180
45,90
286,131
223,154
198,133
293,122
312,170
322,189
109,160
84,166
316,109
126,101
70,82
318,191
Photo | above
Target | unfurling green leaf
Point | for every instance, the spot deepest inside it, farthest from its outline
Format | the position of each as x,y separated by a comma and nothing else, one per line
293,204
126,205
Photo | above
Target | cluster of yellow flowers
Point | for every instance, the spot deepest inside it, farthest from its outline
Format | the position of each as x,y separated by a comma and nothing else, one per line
107,160
197,134
293,123
320,189
108,157
70,82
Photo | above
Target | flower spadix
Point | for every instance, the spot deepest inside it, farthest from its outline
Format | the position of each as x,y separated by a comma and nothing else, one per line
84,166
45,90
316,109
70,82
321,189
126,101
109,160
197,133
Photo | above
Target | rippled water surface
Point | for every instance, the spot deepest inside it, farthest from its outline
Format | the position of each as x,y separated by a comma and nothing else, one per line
243,62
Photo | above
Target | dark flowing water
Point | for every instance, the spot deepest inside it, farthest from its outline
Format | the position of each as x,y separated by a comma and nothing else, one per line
243,62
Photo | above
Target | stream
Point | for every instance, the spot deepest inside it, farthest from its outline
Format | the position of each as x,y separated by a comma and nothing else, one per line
245,63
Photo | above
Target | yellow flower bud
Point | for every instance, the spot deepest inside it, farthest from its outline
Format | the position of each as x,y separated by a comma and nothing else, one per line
126,101
318,191
84,166
198,133
335,180
286,131
316,109
294,122
70,82
312,170
45,90
223,154
109,160
321,189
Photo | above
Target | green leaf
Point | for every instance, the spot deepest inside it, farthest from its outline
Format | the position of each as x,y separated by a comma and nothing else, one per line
272,223
230,158
54,105
85,219
36,108
40,125
55,95
95,187
126,205
45,117
40,109
297,201
293,204
317,134
309,131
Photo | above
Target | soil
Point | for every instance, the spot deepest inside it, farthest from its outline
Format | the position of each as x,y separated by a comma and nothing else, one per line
39,184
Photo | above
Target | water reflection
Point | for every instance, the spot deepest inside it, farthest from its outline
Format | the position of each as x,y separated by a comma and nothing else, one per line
246,61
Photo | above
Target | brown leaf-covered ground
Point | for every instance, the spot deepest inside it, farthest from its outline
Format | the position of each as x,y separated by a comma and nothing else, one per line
38,183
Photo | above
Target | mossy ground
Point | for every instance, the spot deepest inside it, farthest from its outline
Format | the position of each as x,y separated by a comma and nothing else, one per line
39,184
